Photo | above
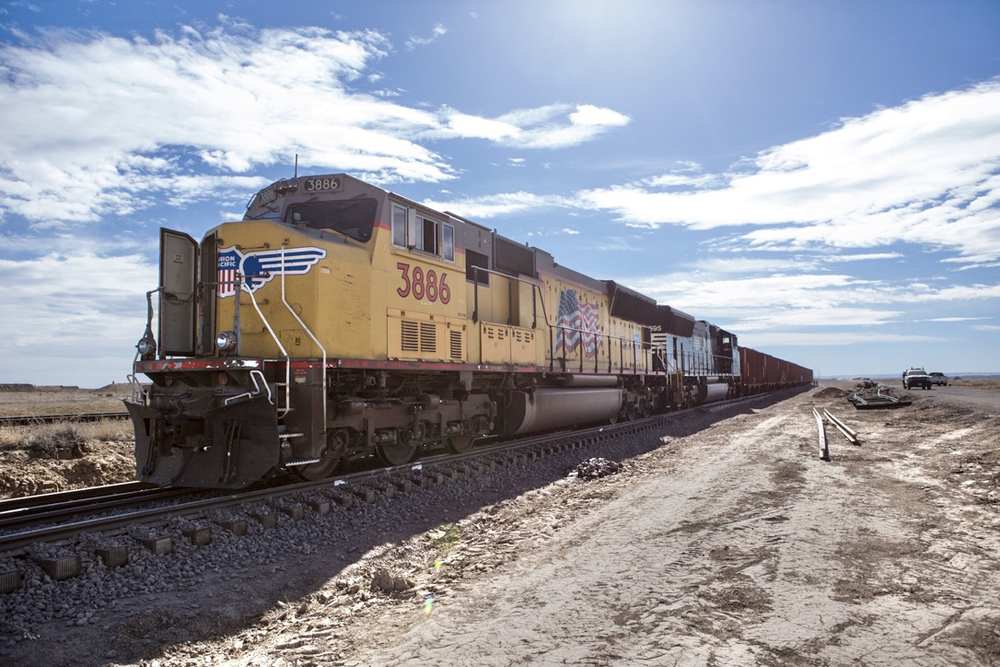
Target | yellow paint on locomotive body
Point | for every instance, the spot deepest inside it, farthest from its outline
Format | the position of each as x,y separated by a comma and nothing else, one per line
332,299
388,299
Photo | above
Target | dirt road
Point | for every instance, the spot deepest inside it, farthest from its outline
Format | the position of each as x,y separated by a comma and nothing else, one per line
739,546
728,542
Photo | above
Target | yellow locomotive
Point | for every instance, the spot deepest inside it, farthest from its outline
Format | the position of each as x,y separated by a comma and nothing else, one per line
339,320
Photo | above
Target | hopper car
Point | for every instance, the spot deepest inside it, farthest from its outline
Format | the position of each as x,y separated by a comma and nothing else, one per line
339,321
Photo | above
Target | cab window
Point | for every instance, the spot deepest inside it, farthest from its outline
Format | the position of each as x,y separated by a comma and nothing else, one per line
354,218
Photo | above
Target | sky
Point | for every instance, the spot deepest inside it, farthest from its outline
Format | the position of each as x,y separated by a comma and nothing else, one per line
821,178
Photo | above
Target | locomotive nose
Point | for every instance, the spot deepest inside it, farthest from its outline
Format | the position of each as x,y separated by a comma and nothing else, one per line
234,444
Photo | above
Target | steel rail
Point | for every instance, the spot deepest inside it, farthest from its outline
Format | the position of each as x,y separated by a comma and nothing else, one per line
13,542
73,494
89,505
848,432
824,446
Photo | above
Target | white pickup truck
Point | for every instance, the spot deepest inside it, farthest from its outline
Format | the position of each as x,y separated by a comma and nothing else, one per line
939,378
916,377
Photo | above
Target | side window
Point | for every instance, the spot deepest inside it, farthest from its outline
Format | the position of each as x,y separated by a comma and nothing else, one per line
415,232
448,242
399,226
428,229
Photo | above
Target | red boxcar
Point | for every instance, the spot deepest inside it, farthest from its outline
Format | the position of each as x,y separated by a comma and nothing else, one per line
762,372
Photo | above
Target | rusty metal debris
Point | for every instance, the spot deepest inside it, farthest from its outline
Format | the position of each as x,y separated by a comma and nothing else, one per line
865,399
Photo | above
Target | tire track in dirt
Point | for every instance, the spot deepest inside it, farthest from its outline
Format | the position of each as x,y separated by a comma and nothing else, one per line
737,545
671,569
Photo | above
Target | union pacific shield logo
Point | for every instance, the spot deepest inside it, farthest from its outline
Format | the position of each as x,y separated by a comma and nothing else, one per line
260,267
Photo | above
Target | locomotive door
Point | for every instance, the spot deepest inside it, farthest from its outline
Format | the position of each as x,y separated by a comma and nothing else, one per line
178,306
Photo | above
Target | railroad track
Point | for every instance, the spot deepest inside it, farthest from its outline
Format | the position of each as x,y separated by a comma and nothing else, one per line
61,516
23,420
79,502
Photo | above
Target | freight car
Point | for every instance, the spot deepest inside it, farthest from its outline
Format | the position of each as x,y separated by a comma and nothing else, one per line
339,321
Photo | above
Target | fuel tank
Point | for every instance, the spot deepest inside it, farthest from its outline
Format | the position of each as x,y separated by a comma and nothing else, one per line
715,391
553,408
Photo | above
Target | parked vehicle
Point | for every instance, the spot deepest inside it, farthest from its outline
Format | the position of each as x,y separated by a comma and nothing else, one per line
939,378
916,377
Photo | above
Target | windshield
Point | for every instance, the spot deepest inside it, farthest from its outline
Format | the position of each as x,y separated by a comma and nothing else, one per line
354,218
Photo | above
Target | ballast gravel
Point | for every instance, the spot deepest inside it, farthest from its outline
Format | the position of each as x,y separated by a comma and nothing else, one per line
93,598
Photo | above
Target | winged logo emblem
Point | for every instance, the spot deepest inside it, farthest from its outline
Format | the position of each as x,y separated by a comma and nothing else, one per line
261,267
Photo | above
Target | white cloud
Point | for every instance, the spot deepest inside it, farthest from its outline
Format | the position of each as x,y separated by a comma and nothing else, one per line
96,124
482,208
783,301
865,257
548,127
925,172
414,42
836,338
545,127
986,327
105,309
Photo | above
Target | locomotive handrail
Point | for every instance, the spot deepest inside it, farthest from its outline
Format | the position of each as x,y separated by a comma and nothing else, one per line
138,393
288,361
257,390
306,329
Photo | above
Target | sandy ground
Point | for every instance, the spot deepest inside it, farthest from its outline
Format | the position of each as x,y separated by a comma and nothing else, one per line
732,543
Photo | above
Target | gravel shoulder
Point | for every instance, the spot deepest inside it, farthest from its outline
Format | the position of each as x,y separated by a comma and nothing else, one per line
725,540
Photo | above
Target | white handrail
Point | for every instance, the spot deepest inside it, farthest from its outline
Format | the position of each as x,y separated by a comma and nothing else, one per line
256,392
306,329
288,362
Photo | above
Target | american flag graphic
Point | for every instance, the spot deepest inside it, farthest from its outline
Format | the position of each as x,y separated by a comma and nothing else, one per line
229,264
576,322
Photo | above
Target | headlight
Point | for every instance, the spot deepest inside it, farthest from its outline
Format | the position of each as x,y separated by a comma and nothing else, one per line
146,347
225,341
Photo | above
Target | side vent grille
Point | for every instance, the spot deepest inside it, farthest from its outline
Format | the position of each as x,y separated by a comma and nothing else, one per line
456,344
428,337
410,340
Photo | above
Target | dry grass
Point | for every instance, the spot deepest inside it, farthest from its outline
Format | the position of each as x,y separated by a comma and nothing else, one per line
41,439
988,383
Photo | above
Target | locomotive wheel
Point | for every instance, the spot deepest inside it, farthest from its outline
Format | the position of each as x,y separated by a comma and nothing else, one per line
458,444
630,411
395,455
337,443
316,471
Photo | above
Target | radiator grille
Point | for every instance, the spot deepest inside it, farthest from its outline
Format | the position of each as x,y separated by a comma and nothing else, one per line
410,338
456,344
428,337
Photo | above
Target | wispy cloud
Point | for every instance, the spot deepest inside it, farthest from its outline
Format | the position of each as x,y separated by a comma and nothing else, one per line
834,338
511,203
549,127
97,125
925,172
796,299
414,42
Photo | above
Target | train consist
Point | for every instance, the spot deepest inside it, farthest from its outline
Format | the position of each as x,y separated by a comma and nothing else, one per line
339,321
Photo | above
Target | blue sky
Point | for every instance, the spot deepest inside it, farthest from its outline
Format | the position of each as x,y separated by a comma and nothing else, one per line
821,178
